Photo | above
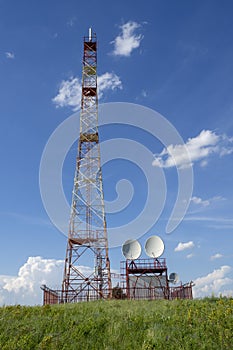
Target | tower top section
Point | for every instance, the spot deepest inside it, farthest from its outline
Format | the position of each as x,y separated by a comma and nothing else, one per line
91,36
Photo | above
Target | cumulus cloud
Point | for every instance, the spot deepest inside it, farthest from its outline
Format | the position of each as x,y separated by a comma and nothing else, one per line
206,202
183,246
189,256
227,293
198,200
212,283
25,287
196,149
216,256
69,94
108,81
10,55
127,40
70,91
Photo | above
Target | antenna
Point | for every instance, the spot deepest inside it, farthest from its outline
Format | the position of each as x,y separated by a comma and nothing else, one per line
154,247
90,34
131,249
173,277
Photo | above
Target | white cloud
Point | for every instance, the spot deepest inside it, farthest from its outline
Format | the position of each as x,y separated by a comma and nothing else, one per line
183,246
198,200
71,22
108,81
196,149
216,256
70,91
127,40
213,222
69,94
203,163
206,202
25,287
10,55
144,93
227,292
189,256
212,283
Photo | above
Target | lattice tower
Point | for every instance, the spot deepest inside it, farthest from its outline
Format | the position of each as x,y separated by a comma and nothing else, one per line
87,236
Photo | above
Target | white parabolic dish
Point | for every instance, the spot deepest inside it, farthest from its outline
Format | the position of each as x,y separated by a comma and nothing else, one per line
154,246
131,249
173,277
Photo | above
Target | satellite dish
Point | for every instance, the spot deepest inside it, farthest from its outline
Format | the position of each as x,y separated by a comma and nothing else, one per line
131,249
173,277
154,246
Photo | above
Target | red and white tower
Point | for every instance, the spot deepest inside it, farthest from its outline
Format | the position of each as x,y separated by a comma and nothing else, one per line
87,236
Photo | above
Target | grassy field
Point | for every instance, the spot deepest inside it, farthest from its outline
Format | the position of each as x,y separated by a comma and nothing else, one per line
144,325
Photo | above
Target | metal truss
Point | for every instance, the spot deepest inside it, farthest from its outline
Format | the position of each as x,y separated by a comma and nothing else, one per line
87,229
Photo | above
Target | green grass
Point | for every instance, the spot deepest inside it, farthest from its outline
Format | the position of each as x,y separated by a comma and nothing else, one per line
113,325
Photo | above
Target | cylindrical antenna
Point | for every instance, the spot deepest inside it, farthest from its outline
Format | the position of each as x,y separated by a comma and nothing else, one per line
90,34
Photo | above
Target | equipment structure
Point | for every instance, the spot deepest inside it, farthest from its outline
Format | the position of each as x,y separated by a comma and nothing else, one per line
87,237
147,279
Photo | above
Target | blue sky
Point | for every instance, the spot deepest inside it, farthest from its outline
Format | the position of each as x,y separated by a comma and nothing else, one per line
175,57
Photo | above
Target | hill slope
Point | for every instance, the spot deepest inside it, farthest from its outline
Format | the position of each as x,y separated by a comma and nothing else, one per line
144,325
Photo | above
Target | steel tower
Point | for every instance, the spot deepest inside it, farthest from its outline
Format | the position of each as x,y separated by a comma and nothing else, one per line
87,237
